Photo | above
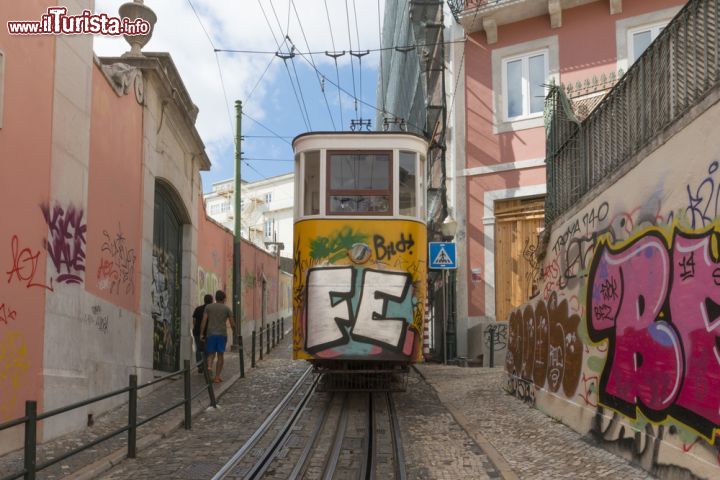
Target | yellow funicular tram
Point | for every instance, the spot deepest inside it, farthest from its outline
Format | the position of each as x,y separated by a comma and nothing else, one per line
360,256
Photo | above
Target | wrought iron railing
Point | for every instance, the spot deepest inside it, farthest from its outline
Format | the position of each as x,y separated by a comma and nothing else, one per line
32,417
676,71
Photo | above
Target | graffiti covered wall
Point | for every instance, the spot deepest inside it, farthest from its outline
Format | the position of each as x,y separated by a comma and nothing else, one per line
359,289
25,153
621,339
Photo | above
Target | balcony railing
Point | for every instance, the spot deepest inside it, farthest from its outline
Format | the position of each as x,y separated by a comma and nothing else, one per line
674,74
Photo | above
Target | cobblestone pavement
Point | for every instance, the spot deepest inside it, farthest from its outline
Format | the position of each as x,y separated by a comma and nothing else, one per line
168,393
435,446
534,445
217,434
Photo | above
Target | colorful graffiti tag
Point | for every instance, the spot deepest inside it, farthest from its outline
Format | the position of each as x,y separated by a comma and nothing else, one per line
117,264
66,242
544,346
359,289
207,283
655,299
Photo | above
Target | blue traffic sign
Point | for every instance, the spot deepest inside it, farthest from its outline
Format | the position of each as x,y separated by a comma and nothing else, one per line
442,255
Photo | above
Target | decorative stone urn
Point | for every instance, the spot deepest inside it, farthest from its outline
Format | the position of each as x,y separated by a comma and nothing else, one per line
133,11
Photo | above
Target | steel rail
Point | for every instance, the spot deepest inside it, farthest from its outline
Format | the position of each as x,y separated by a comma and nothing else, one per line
399,454
331,464
370,443
269,454
262,429
310,446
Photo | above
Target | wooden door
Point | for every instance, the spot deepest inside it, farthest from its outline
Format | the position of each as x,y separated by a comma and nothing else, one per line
517,224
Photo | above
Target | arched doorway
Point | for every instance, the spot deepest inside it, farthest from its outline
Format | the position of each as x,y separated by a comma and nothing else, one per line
166,280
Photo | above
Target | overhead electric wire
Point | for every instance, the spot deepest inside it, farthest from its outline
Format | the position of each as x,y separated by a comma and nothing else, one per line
337,70
267,129
290,43
358,99
352,68
217,61
292,83
400,48
272,59
382,74
360,55
322,89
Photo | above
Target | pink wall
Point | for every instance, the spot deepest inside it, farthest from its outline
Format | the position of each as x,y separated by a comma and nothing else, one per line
115,190
215,257
25,139
587,47
256,265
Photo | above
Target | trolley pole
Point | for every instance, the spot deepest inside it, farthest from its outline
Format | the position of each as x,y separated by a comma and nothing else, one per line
237,240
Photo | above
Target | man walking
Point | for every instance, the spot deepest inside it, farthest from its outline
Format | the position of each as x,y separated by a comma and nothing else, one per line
215,318
197,321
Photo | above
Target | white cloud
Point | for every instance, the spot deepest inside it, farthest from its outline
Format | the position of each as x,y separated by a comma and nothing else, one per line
241,25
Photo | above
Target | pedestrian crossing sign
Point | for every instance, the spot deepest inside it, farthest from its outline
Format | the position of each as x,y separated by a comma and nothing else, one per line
442,255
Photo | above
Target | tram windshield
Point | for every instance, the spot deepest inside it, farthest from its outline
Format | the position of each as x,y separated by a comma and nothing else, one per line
360,183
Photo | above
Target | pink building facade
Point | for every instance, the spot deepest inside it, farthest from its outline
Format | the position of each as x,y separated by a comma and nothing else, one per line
513,50
105,247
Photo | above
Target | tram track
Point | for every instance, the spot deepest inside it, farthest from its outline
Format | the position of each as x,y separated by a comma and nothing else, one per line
322,436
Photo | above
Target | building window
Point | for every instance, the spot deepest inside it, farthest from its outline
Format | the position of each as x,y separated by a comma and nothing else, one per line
225,207
634,34
214,208
524,80
359,183
268,228
639,39
268,197
519,74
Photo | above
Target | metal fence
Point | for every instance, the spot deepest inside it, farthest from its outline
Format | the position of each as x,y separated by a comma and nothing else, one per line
32,417
676,71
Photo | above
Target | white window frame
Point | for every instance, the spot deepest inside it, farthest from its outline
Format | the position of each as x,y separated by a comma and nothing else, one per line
654,30
268,197
268,228
549,44
525,62
623,27
2,84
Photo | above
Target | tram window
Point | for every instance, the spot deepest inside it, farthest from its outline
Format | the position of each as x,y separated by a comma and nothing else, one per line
360,183
312,183
408,177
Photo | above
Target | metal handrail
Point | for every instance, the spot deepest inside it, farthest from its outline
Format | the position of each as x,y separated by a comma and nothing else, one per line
31,418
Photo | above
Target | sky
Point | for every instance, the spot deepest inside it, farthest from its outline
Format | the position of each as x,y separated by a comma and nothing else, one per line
281,98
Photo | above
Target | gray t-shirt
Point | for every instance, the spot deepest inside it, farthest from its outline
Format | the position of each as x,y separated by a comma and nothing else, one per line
217,313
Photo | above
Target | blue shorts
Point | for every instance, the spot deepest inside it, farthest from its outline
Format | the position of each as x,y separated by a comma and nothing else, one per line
216,343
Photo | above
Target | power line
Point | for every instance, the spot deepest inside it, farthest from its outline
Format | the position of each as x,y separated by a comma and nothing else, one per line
292,83
266,136
399,48
334,57
382,74
358,99
266,128
352,68
322,89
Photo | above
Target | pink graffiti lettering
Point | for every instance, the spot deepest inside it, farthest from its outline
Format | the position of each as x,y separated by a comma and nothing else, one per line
662,327
24,265
66,245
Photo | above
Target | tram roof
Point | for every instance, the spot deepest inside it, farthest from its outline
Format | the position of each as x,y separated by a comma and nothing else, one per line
358,133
